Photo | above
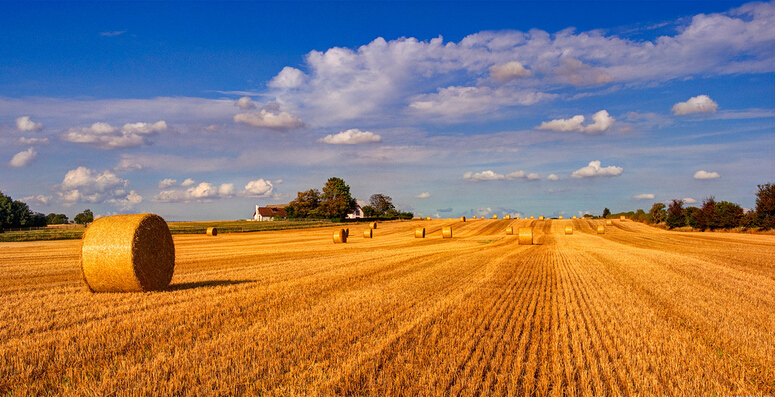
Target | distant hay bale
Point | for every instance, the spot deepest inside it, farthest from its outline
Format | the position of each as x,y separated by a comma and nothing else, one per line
462,219
600,229
608,222
373,225
368,233
420,232
560,216
569,230
495,216
347,232
507,217
574,217
428,218
541,217
510,231
340,236
531,216
622,217
447,232
211,231
125,253
525,236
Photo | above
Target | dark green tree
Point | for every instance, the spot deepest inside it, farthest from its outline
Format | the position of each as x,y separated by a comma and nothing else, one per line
764,207
728,215
675,214
381,203
706,216
85,217
336,200
658,212
691,217
369,212
56,219
606,213
306,204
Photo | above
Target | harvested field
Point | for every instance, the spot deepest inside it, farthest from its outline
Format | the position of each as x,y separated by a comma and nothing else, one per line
635,311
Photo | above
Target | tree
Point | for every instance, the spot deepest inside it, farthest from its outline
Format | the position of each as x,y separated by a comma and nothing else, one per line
369,212
85,217
675,214
706,216
658,212
764,207
606,213
306,204
56,219
336,200
380,203
728,215
691,217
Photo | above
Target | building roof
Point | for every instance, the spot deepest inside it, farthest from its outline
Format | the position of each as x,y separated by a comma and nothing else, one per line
273,210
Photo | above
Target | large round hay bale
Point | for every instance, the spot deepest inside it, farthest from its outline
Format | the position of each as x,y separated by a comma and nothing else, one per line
510,231
600,229
373,225
420,232
340,236
447,232
123,253
368,233
525,236
462,219
569,230
347,232
211,231
608,222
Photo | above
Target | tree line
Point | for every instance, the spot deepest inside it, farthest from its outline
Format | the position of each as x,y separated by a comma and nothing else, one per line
334,201
712,214
17,214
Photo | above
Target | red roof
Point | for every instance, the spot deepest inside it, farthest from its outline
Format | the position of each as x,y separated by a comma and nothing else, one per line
272,211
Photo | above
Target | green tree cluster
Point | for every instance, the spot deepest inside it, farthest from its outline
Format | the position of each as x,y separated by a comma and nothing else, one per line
15,214
85,217
713,215
334,201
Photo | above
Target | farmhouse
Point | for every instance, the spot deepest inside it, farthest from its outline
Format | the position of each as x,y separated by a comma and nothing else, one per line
356,213
269,212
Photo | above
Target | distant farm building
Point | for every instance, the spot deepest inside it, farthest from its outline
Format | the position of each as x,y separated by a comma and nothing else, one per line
269,212
356,213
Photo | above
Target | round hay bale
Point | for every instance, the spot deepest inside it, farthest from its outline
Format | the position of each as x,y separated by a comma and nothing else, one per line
340,236
541,217
569,230
462,219
474,217
428,218
447,232
495,216
125,253
420,232
622,217
373,225
560,216
600,229
211,231
510,231
608,222
574,217
524,235
531,216
368,233
507,217
347,232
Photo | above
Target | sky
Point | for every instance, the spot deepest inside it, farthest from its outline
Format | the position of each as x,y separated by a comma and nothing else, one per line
202,110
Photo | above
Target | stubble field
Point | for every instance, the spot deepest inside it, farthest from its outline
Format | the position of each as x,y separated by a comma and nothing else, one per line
636,311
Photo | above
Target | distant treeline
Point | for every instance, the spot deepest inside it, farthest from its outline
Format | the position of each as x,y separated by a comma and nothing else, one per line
334,201
17,214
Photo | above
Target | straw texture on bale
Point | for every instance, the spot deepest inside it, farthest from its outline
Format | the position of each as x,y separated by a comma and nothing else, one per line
622,217
531,216
495,216
608,222
510,231
447,232
600,229
541,217
420,232
125,253
525,236
211,231
340,236
462,219
368,233
569,230
373,225
560,216
507,217
574,217
428,218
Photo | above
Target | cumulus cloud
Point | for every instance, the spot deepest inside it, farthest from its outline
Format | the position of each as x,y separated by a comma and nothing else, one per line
279,121
23,159
423,195
601,122
288,78
245,103
509,71
457,102
89,186
523,175
690,200
187,182
552,177
646,196
33,141
37,200
696,104
259,188
594,169
706,175
203,192
105,136
351,137
483,176
25,124
167,183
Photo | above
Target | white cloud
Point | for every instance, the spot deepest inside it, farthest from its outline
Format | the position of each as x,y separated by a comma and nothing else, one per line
128,202
594,169
523,175
281,121
690,200
601,122
106,136
509,71
167,183
455,102
423,195
24,124
89,186
38,199
288,78
226,190
245,103
351,137
646,196
552,177
259,188
203,192
187,182
23,159
696,104
483,176
706,175
33,141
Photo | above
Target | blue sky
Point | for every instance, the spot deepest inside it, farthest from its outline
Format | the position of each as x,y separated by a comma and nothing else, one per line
198,111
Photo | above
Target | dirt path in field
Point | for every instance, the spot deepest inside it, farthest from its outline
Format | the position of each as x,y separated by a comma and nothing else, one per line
634,311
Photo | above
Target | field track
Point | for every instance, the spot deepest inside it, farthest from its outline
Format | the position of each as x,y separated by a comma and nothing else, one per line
635,311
